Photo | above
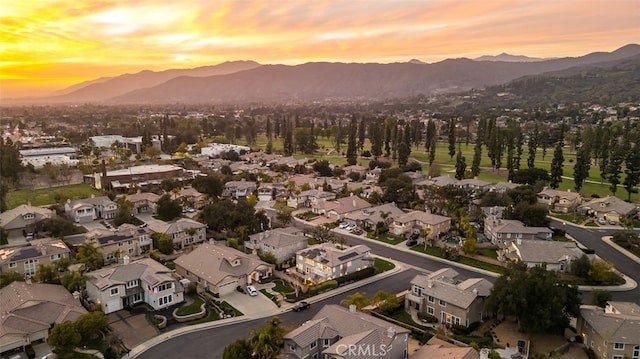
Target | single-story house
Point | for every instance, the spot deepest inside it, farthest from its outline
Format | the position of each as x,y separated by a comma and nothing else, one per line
610,208
21,220
556,256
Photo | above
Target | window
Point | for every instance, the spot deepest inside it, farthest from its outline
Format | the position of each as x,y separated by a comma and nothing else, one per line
120,244
442,303
313,344
417,291
326,343
617,357
430,310
13,265
431,299
129,242
114,291
315,356
165,286
30,267
636,352
131,250
618,346
165,300
292,348
132,283
137,297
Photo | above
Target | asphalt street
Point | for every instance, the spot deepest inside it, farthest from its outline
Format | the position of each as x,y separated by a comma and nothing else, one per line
210,343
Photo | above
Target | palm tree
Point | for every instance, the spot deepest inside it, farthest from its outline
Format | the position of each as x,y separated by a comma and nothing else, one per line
424,233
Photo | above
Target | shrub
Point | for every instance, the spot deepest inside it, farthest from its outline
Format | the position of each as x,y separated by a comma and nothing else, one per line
324,286
460,329
426,317
361,274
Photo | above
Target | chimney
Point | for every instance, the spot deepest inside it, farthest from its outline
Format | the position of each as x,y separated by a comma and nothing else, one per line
429,283
125,259
104,168
391,332
519,241
352,308
76,295
484,353
353,203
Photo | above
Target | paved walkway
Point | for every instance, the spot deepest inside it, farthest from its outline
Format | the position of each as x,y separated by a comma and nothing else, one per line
91,352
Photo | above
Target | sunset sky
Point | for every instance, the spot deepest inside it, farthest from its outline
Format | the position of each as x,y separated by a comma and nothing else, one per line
47,45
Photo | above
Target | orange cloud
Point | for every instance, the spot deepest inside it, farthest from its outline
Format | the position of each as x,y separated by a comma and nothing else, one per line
47,45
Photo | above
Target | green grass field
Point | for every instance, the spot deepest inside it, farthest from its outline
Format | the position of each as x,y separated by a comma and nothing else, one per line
47,196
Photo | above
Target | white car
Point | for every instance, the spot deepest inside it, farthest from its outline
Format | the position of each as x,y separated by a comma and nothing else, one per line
351,227
343,225
252,290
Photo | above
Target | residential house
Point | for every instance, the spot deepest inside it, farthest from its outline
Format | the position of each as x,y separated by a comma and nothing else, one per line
334,184
355,169
184,231
130,283
503,187
338,208
503,231
415,177
128,240
554,255
440,181
283,243
439,349
473,185
143,202
266,192
335,329
373,175
559,201
451,301
190,197
298,181
611,332
30,309
309,198
414,221
25,260
328,261
610,208
239,189
369,190
89,209
21,220
368,218
220,270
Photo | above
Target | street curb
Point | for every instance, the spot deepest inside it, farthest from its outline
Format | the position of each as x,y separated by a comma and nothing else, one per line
141,348
609,241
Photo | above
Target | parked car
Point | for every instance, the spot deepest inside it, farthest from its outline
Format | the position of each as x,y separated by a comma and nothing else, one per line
414,236
612,222
357,231
412,242
343,225
351,227
602,221
301,306
252,290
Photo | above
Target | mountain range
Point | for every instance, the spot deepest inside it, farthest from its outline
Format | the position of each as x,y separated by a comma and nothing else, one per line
250,82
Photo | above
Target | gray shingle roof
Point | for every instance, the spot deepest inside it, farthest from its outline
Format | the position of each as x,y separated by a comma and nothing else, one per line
541,251
332,256
441,285
619,328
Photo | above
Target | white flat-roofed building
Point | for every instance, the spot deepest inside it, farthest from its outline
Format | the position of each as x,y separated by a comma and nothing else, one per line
215,149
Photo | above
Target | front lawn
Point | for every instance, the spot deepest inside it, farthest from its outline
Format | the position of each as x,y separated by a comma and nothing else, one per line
213,315
570,218
633,248
382,266
442,253
192,308
488,252
228,308
282,286
386,238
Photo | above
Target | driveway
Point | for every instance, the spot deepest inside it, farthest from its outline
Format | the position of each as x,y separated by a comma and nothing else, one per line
133,329
251,307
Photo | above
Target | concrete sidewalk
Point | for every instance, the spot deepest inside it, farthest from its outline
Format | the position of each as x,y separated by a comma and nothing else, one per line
268,312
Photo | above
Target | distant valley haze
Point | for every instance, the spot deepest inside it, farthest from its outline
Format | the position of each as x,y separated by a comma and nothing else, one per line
187,51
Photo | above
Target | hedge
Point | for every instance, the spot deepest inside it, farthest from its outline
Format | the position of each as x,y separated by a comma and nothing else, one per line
324,286
355,276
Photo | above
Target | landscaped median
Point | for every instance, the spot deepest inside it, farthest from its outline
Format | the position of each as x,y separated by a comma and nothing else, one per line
455,257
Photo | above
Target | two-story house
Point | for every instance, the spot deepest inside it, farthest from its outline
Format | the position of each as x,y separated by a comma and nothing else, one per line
184,231
130,283
327,261
338,332
239,189
451,301
610,208
190,197
611,332
368,218
283,243
25,260
143,202
309,198
555,256
29,310
413,221
89,209
220,269
559,201
503,231
127,240
21,220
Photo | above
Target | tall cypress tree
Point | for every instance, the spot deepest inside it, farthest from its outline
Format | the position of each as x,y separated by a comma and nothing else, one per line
269,129
288,139
461,165
404,149
361,134
387,137
556,166
581,168
533,147
452,138
430,135
518,156
632,171
614,168
352,152
432,152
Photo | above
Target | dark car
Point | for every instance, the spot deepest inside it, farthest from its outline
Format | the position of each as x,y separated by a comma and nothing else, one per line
412,242
301,306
